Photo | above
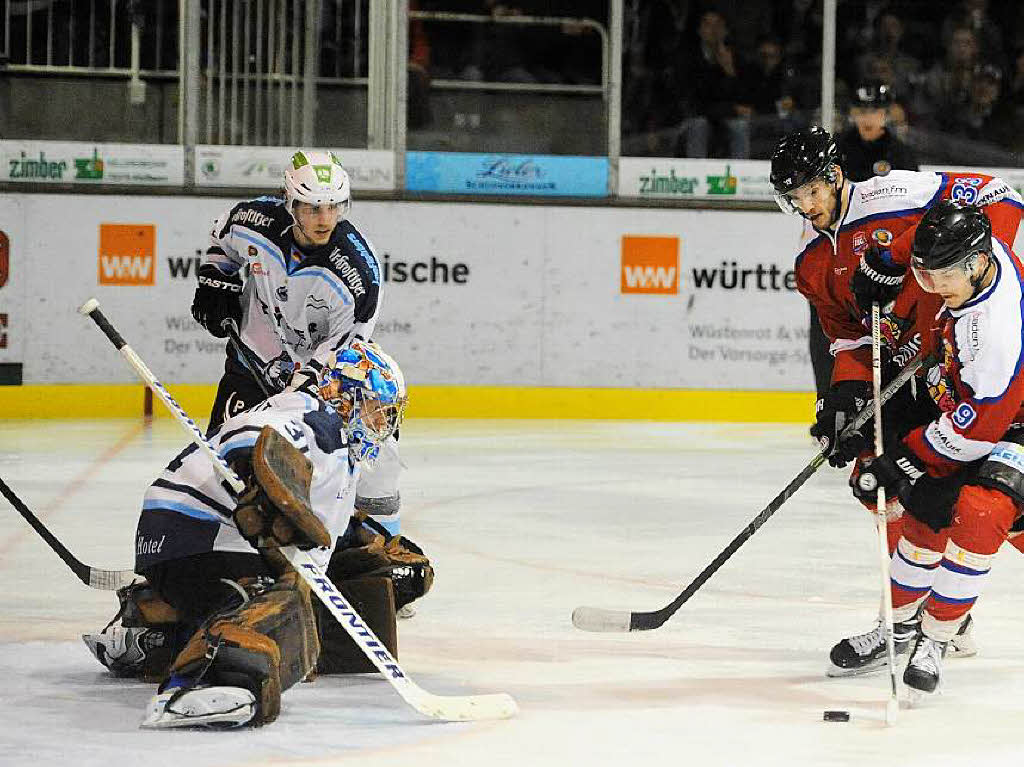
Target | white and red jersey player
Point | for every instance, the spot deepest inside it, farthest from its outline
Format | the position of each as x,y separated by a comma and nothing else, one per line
979,390
885,211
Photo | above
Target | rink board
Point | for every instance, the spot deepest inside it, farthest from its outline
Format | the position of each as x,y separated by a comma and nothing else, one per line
506,295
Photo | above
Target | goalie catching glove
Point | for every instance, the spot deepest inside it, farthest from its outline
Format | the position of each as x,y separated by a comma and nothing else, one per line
274,509
361,553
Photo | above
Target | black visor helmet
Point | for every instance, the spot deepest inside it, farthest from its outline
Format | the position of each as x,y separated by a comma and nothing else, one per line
950,235
801,157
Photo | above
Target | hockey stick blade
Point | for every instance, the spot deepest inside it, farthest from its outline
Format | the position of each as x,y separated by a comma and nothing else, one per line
456,708
94,577
598,619
620,621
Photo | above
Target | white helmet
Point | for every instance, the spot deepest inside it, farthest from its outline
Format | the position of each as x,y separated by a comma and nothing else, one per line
316,177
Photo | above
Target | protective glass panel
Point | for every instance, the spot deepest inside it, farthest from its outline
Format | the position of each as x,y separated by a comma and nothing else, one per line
526,76
722,80
954,76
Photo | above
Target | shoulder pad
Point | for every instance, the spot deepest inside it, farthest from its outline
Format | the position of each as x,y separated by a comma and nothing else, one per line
898,190
328,429
264,214
352,258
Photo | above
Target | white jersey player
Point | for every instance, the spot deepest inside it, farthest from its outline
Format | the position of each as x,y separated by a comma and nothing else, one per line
301,282
297,277
222,619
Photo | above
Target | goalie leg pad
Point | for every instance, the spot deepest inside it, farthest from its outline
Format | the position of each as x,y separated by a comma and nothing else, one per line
373,598
142,639
265,646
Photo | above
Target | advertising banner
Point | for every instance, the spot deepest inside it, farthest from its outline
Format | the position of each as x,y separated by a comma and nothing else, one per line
671,178
506,174
261,167
473,294
13,279
66,162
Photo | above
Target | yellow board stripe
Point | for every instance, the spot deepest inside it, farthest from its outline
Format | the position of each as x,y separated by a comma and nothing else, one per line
126,401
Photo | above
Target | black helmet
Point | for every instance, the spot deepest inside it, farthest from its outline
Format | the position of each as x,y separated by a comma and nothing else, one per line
949,234
802,156
872,95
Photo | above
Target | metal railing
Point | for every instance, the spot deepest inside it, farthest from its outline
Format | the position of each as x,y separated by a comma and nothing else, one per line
90,37
257,70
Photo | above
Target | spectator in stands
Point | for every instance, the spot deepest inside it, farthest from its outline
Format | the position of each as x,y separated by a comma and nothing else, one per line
719,113
988,118
653,101
886,60
801,23
418,114
868,148
770,92
947,85
976,16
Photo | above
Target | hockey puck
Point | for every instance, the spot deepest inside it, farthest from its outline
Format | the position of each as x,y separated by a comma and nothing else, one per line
836,716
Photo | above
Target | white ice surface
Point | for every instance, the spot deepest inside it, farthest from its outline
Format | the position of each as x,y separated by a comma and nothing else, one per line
525,521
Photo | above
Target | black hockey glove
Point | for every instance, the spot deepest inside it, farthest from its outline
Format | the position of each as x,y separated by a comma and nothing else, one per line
926,498
896,471
836,409
878,278
218,298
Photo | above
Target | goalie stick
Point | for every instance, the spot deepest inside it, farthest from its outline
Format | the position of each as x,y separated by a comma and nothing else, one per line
600,619
94,577
459,708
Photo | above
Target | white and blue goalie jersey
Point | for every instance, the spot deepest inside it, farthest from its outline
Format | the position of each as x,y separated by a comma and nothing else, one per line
179,511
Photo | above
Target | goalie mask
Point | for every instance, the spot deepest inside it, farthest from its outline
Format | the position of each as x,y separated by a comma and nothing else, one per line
367,388
317,178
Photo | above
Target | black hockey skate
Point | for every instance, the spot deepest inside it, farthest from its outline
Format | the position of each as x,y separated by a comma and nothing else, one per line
864,653
925,667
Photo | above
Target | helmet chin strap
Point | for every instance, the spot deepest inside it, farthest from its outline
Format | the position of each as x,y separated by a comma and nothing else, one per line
977,282
839,202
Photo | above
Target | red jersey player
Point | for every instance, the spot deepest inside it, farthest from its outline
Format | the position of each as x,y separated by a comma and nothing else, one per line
854,250
960,476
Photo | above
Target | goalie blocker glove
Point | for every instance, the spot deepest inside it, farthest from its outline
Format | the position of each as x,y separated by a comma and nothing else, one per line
836,409
878,278
274,508
218,298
